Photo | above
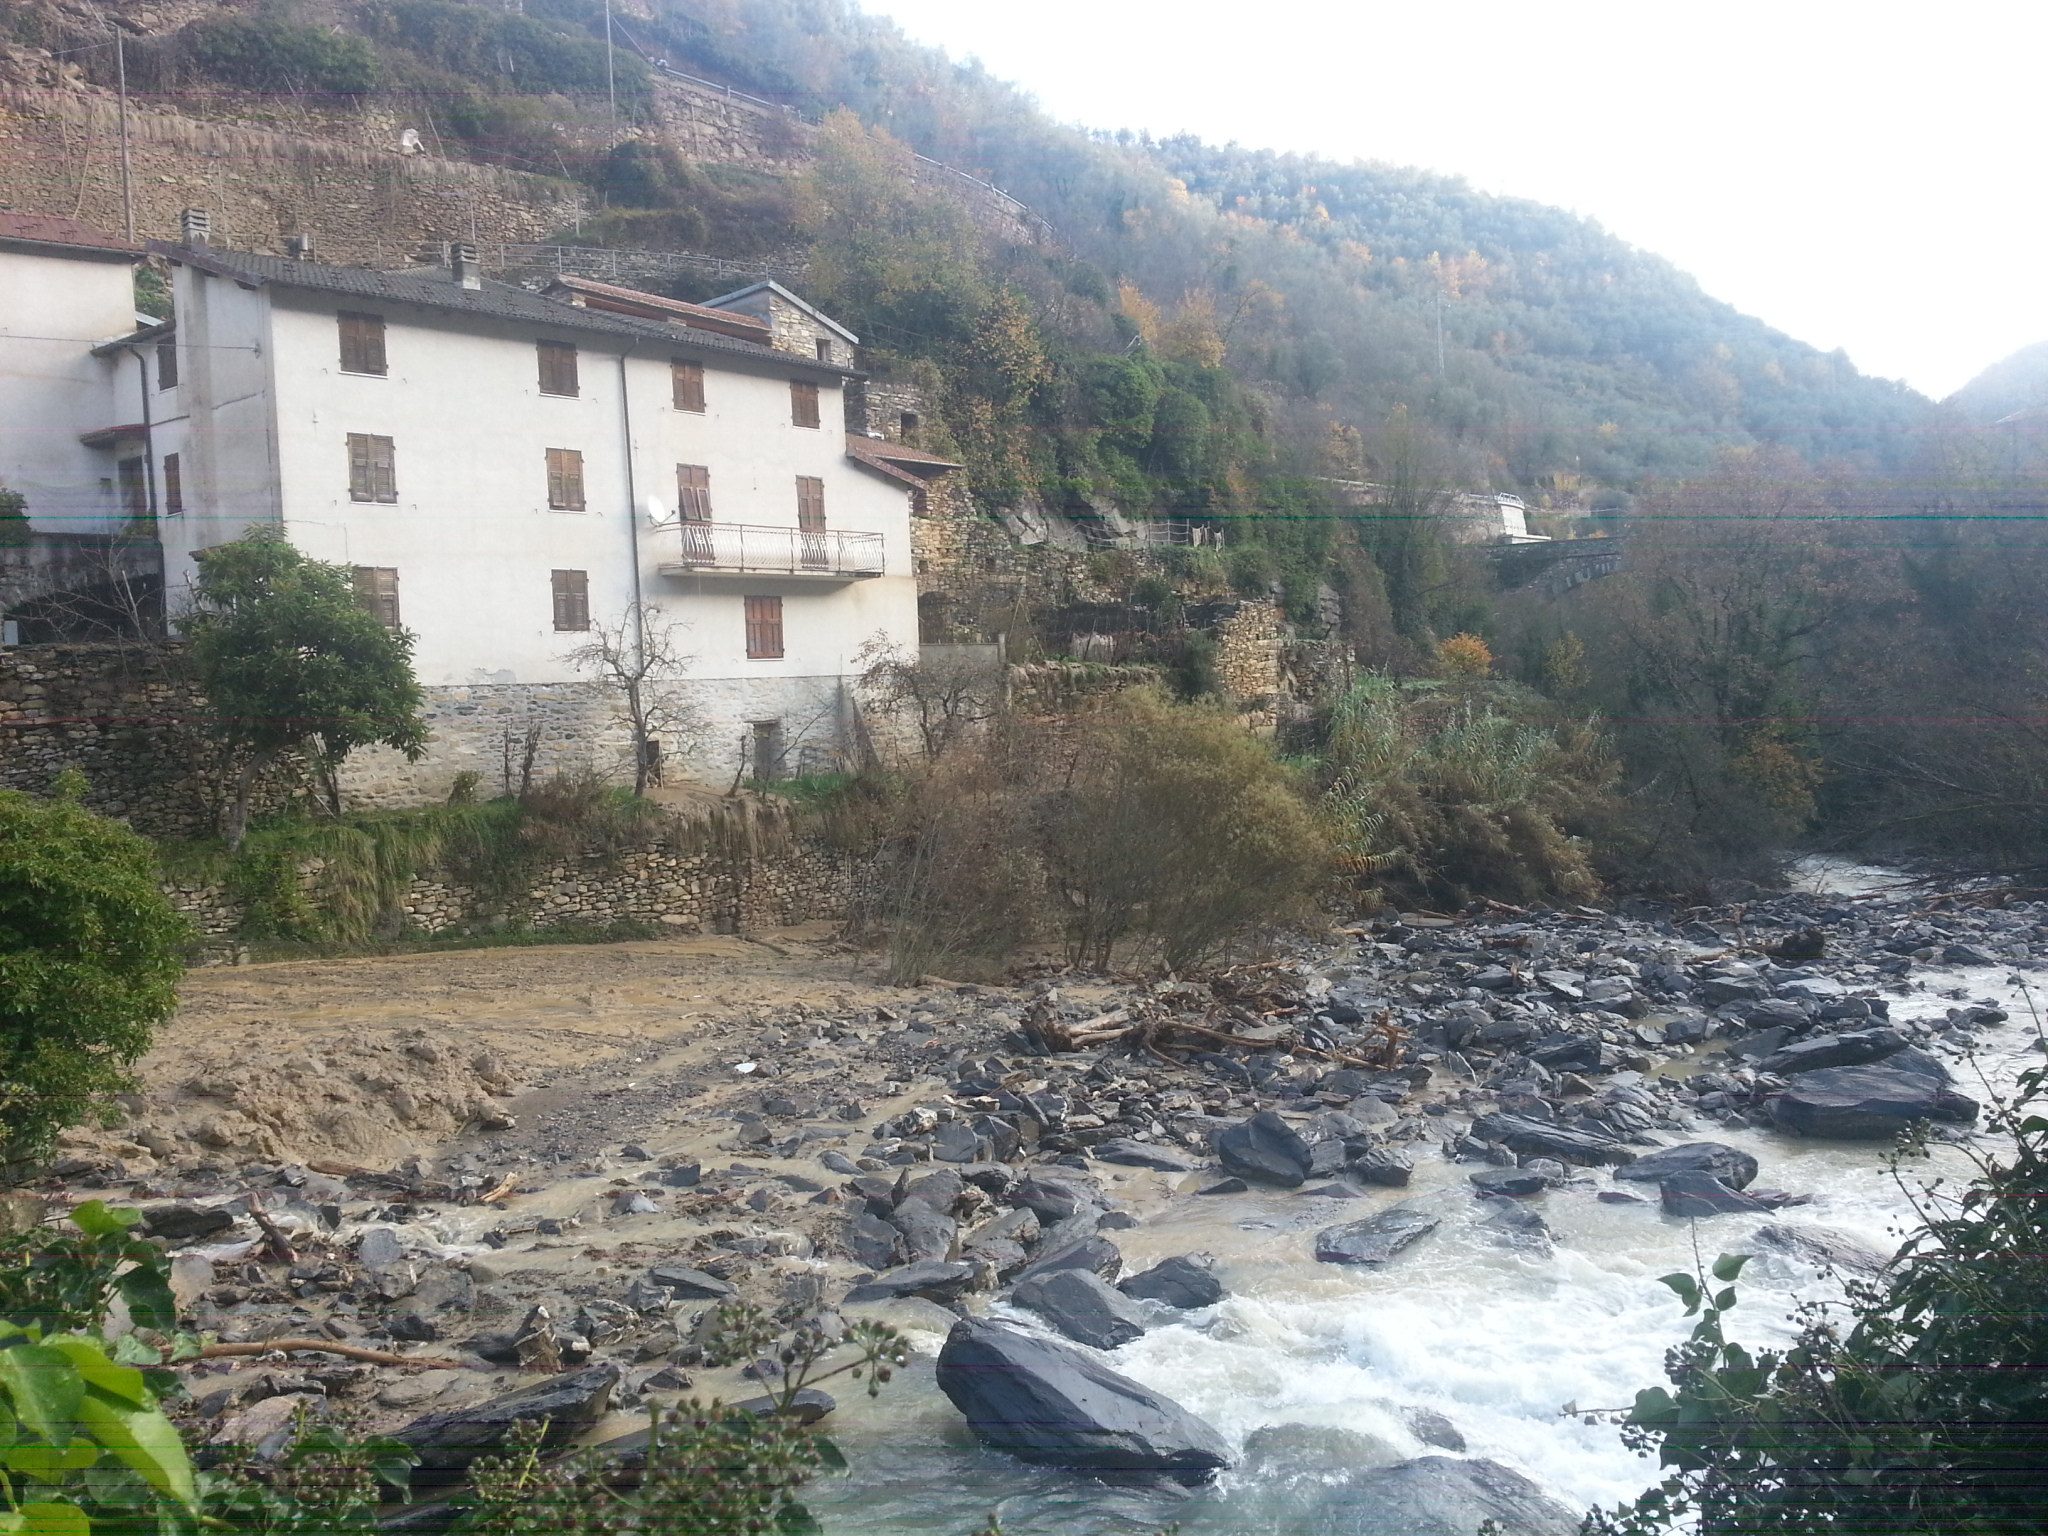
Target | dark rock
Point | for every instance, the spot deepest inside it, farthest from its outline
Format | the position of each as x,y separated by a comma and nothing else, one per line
1265,1148
1054,1200
1225,1187
1097,1255
690,1284
938,1189
1518,1225
449,1441
1336,1189
1576,1053
1730,1165
1539,1138
1869,1103
807,1407
1822,1247
1442,1496
1699,1193
927,1234
683,1175
1966,954
954,1141
1913,1059
1183,1281
1376,1239
1510,1181
931,1279
874,1242
1382,1166
1777,1013
1432,1428
1077,1303
1716,990
1619,1197
413,1328
1143,1154
1050,1403
181,1221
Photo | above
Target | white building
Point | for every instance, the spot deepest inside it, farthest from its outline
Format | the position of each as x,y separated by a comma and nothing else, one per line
504,470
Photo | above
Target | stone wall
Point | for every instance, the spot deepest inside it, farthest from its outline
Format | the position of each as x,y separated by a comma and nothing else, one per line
681,883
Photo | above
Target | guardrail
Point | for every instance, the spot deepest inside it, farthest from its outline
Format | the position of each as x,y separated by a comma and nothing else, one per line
740,547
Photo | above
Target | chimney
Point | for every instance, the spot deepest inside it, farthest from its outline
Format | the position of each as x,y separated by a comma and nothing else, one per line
299,247
195,227
462,263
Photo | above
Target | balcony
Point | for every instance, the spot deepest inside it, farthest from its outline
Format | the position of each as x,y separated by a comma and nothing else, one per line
800,554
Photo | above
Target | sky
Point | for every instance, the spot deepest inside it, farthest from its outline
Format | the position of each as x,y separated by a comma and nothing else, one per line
1868,176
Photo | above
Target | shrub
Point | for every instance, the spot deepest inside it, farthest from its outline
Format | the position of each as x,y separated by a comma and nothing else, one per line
271,53
14,524
1465,656
89,963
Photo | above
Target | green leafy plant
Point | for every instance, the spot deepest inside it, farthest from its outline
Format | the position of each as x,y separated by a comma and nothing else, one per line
14,525
89,962
62,1282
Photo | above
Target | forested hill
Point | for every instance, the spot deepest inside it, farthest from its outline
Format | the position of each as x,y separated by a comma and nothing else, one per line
1524,347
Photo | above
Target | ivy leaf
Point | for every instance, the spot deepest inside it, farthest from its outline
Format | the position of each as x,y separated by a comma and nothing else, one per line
829,1455
1686,1288
149,1298
122,1383
795,1520
45,1387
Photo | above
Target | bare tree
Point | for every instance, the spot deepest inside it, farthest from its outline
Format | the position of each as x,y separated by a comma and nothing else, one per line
640,659
942,699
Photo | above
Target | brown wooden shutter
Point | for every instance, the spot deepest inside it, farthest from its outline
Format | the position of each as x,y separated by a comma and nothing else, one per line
174,485
687,382
565,479
557,368
803,403
372,468
377,590
572,599
764,628
693,493
167,365
810,503
362,343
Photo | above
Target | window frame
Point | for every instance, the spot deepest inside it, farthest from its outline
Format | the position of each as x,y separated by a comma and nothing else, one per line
174,485
378,482
686,385
763,617
555,359
565,480
571,601
377,595
367,355
804,407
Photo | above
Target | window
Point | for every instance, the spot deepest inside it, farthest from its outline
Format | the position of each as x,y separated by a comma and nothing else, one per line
803,403
377,590
557,368
362,343
693,493
134,476
167,365
810,521
565,480
372,469
764,628
572,599
686,381
174,485
824,350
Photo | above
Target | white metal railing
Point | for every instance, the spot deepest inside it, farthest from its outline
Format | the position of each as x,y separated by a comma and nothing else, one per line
796,551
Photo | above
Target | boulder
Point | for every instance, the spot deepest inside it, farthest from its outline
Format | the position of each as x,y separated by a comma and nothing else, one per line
1053,1200
1517,1225
1382,1166
181,1221
691,1284
927,1234
933,1279
1097,1255
1265,1148
1441,1496
807,1406
1699,1193
1047,1402
1846,1048
450,1440
1511,1181
1540,1138
874,1242
1144,1154
1869,1103
1730,1165
1822,1247
1376,1239
1078,1304
1183,1281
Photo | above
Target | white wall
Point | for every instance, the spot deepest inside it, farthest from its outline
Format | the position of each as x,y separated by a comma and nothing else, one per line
53,309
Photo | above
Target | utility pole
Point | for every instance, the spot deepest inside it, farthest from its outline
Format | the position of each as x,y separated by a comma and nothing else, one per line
127,180
611,79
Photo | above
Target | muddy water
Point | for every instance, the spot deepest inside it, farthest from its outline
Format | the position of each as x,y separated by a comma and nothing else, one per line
1494,1340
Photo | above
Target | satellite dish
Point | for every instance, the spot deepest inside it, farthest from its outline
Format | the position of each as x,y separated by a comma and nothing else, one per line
657,514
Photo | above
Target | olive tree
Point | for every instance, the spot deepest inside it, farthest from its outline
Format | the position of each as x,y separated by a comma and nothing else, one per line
89,962
293,662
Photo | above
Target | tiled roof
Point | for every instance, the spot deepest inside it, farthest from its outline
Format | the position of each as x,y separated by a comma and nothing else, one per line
746,327
862,451
769,285
49,229
903,453
431,288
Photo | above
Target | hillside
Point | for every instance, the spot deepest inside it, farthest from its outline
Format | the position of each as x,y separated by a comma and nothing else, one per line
2015,383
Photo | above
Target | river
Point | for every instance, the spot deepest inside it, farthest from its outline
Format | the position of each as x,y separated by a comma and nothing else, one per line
1495,1340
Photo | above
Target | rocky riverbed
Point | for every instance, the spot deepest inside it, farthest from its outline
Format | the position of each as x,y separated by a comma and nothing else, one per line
1323,1244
